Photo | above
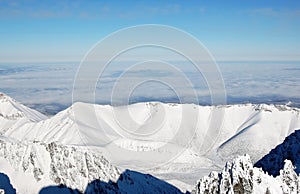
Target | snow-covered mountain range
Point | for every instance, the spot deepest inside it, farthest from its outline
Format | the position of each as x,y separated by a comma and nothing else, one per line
87,133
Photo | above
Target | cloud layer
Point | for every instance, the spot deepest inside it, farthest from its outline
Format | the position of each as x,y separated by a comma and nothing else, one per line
48,87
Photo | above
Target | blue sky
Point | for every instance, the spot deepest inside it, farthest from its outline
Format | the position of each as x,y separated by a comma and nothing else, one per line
232,30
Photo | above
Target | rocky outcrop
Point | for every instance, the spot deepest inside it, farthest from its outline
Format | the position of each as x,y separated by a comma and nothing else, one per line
240,177
289,149
72,166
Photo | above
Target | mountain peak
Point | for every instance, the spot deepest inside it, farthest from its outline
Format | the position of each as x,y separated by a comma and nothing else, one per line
2,94
9,108
5,98
13,112
239,176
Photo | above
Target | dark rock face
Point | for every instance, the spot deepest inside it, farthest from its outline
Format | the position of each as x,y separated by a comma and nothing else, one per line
288,150
132,182
5,185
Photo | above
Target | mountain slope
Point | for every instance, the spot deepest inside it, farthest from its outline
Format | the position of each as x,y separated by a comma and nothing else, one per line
47,164
14,113
289,149
73,169
176,142
240,123
11,109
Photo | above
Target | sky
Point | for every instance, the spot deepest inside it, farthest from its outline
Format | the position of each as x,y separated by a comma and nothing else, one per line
256,45
49,31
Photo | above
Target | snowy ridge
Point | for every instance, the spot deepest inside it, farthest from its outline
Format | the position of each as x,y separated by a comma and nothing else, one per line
265,125
289,149
11,109
12,113
56,164
241,130
239,176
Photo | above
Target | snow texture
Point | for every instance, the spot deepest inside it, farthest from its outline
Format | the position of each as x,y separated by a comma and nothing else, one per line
240,177
71,166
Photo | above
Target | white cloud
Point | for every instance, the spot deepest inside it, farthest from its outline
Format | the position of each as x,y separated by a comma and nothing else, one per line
270,12
52,84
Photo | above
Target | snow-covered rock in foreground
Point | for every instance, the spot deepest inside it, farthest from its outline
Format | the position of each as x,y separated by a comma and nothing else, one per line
55,164
68,169
241,177
289,149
